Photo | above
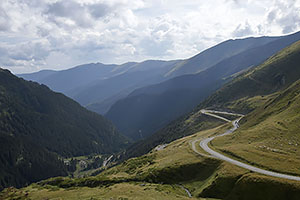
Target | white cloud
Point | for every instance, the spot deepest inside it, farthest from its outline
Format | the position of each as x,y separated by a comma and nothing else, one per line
40,34
286,15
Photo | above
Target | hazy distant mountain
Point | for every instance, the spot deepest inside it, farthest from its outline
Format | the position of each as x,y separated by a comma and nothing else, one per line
215,54
94,83
37,125
197,63
276,74
38,76
98,86
168,100
267,138
111,89
67,81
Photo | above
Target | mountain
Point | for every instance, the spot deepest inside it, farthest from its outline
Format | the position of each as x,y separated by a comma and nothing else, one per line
170,99
98,86
67,81
192,65
38,76
267,139
23,162
243,94
38,127
139,75
92,84
276,73
271,132
158,71
216,54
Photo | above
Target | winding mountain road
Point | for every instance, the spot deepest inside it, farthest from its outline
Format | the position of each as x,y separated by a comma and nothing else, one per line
204,145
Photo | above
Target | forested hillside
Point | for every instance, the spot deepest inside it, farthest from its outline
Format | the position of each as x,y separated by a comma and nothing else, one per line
37,125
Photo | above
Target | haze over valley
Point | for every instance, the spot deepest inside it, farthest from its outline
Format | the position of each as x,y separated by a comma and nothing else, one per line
150,99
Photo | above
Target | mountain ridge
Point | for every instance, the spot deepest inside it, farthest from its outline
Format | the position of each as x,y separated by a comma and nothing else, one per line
41,127
187,123
168,95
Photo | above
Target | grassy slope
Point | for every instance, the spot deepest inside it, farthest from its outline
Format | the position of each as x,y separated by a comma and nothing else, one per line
184,127
123,191
162,101
276,114
275,74
269,136
245,93
159,174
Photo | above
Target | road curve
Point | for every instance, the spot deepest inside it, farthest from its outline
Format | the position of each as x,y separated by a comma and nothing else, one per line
204,145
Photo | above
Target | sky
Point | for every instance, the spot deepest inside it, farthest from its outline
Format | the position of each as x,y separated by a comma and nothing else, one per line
59,34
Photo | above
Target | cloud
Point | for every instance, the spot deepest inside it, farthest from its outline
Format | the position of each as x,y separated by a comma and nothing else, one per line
68,13
243,30
285,14
99,10
58,34
4,20
272,16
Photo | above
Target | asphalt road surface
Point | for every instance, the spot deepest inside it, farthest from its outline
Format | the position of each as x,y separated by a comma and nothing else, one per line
204,145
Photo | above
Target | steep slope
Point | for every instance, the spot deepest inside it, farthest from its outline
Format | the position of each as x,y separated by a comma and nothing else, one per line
138,116
216,54
186,91
139,75
278,72
171,172
23,162
192,65
92,84
85,83
67,81
38,76
270,132
242,94
38,124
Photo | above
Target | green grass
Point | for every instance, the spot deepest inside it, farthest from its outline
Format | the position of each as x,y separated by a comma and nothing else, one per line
275,74
117,191
158,174
269,136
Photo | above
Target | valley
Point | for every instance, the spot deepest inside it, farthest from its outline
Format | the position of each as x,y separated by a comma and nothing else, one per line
204,145
223,124
161,173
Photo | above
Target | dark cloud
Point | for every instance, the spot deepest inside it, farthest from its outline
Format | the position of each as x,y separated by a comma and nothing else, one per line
290,22
243,30
42,31
285,14
272,16
99,10
236,1
64,9
156,48
83,15
50,33
30,51
4,20
71,10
